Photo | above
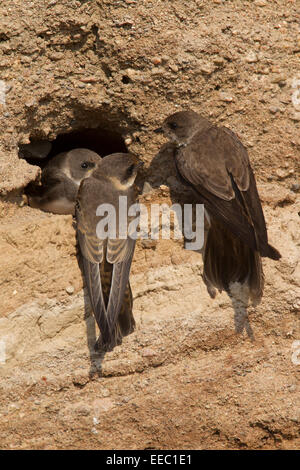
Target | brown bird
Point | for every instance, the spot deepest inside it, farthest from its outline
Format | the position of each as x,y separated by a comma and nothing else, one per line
107,261
60,181
214,162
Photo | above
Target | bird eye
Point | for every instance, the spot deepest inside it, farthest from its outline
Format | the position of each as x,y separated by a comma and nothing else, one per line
130,169
84,165
173,125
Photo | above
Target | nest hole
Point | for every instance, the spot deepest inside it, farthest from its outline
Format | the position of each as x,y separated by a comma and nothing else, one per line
100,140
126,79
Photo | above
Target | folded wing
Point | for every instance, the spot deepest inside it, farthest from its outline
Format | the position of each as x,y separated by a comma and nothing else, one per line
119,254
217,165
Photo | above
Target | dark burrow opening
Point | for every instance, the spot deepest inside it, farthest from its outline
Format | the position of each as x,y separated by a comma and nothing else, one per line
100,140
40,151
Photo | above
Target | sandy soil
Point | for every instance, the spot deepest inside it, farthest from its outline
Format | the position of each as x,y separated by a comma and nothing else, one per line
194,374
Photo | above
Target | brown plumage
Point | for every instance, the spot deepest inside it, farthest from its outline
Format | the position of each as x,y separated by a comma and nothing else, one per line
107,261
60,181
126,323
214,162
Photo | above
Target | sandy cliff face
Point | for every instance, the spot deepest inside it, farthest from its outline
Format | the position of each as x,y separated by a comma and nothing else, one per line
192,375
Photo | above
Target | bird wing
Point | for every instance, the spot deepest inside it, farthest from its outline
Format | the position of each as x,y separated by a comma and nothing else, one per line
254,210
117,252
217,165
244,179
52,176
210,157
120,254
91,248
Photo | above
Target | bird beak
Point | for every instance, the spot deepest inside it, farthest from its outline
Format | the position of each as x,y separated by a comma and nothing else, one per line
159,130
139,165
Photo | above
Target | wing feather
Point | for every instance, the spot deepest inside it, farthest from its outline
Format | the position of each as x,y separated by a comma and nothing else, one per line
91,249
90,245
217,165
94,286
100,258
119,282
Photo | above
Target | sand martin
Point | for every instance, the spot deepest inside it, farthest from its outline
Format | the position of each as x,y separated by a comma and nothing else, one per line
107,261
60,181
213,161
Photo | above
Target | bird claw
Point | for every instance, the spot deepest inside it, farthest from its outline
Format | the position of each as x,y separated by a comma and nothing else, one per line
101,346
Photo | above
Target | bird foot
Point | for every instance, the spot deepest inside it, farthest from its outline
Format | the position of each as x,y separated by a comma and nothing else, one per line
101,346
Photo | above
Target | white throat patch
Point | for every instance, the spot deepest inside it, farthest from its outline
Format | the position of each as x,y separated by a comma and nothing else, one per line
122,186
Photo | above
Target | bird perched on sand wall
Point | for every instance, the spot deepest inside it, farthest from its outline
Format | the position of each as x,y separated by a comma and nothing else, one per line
214,162
107,261
60,181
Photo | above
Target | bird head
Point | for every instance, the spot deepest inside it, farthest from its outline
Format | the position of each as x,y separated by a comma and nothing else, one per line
180,127
81,163
120,168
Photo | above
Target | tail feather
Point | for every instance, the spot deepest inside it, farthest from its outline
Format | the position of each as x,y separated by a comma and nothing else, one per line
228,260
125,324
126,321
256,279
98,283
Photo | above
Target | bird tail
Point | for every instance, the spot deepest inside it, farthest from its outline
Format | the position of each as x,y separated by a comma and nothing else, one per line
96,296
125,324
227,260
98,278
